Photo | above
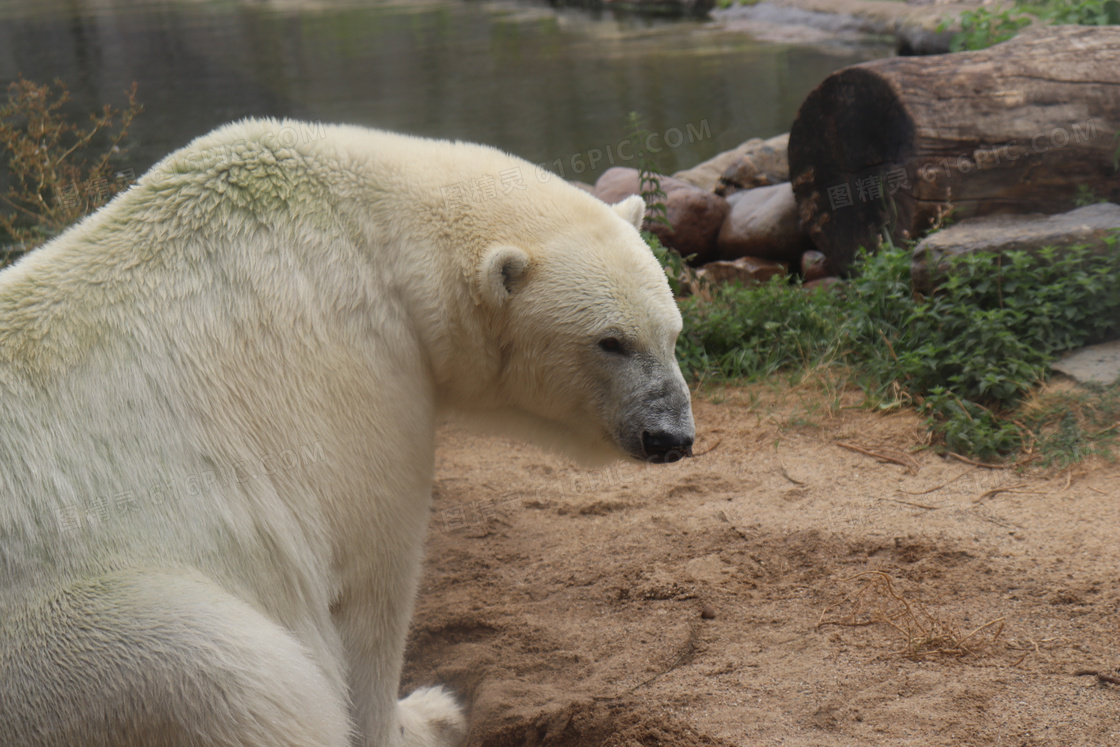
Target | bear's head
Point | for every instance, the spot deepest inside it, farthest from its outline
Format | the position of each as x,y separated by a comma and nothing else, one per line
584,328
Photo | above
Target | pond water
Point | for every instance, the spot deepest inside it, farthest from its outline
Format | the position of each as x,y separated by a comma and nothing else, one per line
551,85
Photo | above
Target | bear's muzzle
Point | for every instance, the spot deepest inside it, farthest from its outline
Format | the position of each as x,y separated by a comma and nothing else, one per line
664,447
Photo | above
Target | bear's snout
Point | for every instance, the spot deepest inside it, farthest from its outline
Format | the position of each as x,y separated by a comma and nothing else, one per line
666,447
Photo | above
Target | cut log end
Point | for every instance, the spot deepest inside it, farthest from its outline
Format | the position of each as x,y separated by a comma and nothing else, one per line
847,145
882,148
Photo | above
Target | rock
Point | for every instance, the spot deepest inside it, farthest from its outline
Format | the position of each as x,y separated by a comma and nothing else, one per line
1100,363
820,284
763,222
781,24
696,216
814,266
708,612
762,166
745,270
920,40
646,7
706,175
1089,225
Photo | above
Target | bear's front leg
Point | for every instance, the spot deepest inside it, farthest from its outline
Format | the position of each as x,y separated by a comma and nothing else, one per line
373,622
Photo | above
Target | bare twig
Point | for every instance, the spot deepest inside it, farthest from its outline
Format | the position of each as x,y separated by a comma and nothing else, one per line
924,633
738,531
1101,676
1004,489
903,460
687,651
786,475
910,503
942,485
988,465
708,450
1032,649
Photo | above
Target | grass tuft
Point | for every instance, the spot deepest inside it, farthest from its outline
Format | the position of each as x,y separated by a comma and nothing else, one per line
971,356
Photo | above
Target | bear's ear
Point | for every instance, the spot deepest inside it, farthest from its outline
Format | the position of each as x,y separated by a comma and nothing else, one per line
502,269
632,210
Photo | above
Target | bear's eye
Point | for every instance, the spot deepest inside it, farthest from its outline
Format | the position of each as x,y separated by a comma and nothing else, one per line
611,345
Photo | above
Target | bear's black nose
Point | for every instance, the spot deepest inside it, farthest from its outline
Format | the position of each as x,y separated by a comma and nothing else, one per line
662,446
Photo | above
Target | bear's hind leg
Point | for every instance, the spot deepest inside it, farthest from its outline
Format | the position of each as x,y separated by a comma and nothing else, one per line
160,659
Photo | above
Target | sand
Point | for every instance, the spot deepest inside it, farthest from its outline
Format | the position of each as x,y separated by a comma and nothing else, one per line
850,600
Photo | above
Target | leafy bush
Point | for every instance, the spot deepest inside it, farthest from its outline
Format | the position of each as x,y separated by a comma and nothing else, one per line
967,354
982,28
52,178
751,332
1080,12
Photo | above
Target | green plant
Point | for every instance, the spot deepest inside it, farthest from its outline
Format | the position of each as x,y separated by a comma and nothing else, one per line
1068,425
649,176
54,175
967,355
649,187
982,28
1086,196
967,427
749,332
1080,12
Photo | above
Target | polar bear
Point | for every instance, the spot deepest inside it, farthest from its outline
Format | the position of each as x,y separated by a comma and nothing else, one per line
218,397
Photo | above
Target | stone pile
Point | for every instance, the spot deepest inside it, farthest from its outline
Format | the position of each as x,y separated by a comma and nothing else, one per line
734,215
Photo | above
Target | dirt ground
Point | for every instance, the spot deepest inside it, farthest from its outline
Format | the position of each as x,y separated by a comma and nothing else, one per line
565,605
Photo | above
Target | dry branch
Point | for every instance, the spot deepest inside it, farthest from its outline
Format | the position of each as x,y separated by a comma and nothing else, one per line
885,455
924,634
1101,676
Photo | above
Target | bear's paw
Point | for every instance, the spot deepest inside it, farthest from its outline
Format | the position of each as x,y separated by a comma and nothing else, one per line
430,717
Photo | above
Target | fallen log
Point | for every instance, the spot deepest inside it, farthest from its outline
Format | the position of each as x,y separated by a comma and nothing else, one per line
885,147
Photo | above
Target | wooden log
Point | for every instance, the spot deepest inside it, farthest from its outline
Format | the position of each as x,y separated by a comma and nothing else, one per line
1029,125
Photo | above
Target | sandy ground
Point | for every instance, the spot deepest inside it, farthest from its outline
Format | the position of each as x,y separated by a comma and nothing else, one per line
565,605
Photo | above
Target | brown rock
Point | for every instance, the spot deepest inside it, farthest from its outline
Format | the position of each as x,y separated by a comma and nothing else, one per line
745,270
706,175
763,223
762,166
814,266
708,612
822,284
695,216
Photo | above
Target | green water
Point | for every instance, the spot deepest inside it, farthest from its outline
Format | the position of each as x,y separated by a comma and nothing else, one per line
551,85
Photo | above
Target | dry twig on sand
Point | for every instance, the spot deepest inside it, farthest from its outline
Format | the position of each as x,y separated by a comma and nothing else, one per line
1017,488
987,465
710,449
1102,678
885,455
684,655
786,474
877,603
935,488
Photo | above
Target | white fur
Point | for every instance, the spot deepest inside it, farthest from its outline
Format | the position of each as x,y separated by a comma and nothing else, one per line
217,406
